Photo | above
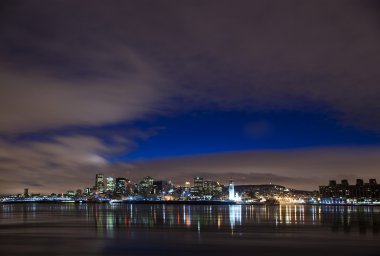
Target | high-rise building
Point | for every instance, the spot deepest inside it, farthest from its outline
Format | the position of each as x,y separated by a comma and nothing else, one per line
160,186
359,182
212,188
99,182
110,186
121,185
145,187
198,184
361,191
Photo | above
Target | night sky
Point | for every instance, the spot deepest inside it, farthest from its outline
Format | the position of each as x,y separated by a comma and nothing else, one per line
286,92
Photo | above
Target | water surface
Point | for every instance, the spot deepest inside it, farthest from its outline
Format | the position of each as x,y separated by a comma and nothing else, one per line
135,229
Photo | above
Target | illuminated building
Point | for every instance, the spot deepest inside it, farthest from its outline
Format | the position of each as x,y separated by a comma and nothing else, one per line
70,193
88,191
121,185
110,186
99,182
342,192
145,187
212,188
231,190
197,189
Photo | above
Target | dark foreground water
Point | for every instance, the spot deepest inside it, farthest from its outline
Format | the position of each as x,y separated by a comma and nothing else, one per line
103,229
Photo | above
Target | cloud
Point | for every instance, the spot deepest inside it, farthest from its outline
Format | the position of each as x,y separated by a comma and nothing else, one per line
91,64
58,163
301,168
106,63
68,162
58,71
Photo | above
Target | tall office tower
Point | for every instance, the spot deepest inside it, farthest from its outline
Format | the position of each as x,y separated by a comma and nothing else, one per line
198,184
99,182
110,186
231,190
121,185
145,186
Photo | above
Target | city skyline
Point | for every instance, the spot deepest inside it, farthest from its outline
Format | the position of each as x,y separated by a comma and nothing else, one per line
265,92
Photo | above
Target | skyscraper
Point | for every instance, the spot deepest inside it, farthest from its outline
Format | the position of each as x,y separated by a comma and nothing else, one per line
99,182
121,185
110,186
198,184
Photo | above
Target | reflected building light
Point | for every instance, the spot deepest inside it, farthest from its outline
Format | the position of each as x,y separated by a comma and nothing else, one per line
164,213
313,214
184,213
110,222
235,216
288,215
219,219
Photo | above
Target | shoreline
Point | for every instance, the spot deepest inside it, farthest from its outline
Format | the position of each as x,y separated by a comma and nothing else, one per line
177,203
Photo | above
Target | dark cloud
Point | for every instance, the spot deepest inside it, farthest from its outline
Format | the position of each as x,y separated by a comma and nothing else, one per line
91,63
94,63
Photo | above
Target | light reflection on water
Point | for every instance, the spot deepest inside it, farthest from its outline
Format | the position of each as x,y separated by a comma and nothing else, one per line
116,216
29,225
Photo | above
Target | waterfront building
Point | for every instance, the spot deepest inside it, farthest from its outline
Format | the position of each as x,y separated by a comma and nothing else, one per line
121,186
231,190
110,186
359,192
145,187
197,189
212,188
79,192
161,186
88,191
70,193
99,183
